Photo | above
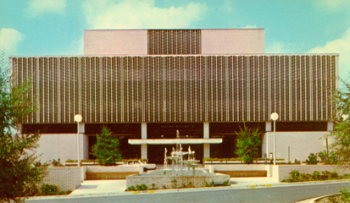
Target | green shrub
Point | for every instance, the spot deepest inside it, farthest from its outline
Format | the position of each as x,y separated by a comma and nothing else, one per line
71,161
56,163
131,188
325,175
47,189
143,187
106,149
312,159
296,161
334,174
345,195
294,175
138,187
305,176
65,192
316,175
227,182
32,190
247,143
332,157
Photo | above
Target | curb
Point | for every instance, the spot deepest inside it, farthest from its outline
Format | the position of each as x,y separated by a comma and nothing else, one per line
312,200
143,192
256,186
233,186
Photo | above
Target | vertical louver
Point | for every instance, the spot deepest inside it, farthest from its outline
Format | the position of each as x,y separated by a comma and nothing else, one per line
179,88
171,42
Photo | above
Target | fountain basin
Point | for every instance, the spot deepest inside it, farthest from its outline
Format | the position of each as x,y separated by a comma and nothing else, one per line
161,181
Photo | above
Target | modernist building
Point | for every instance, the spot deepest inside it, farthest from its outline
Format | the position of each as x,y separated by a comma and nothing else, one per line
146,84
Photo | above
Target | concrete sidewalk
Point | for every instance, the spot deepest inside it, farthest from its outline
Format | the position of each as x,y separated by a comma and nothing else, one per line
95,188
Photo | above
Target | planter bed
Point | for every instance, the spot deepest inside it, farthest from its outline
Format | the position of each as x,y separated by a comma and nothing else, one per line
110,175
245,173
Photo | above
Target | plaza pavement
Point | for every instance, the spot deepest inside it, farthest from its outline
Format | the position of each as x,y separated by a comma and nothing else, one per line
96,188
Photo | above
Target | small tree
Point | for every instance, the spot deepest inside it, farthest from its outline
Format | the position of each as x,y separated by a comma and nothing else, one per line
341,131
247,143
106,149
19,172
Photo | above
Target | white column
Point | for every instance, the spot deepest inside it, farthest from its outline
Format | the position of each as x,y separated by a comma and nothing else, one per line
144,137
268,126
206,147
330,126
83,142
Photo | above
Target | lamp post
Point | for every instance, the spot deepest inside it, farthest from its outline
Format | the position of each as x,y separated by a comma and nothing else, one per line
274,117
78,118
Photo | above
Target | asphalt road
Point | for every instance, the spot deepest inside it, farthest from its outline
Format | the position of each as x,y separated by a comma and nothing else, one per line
269,194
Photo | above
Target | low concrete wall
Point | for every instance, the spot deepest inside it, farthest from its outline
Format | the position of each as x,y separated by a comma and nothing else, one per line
239,170
237,167
111,169
110,172
66,178
108,175
169,181
284,170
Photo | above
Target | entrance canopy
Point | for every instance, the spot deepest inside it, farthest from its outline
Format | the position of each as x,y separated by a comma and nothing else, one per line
175,141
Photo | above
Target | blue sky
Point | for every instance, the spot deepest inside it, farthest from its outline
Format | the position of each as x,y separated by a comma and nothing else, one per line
55,27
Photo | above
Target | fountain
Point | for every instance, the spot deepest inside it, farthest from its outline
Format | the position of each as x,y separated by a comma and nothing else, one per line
177,157
177,177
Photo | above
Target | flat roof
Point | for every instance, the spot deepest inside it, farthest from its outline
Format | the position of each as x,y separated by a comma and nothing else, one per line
175,141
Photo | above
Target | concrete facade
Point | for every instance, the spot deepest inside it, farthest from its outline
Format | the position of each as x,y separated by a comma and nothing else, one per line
66,178
301,144
112,42
239,41
198,76
61,146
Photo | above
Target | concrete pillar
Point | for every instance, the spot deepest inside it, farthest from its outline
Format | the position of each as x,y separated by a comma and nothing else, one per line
144,137
206,147
268,126
330,126
83,142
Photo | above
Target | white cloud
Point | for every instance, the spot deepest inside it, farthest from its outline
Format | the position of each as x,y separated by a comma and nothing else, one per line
37,7
250,26
276,48
332,4
9,39
76,47
131,14
340,46
226,6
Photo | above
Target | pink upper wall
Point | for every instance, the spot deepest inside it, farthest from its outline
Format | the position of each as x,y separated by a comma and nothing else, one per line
111,42
233,41
134,42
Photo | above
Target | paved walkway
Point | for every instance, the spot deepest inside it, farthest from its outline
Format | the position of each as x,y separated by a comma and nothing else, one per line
100,187
95,188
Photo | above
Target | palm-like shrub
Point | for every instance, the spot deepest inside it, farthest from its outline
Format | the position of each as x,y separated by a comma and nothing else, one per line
247,143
